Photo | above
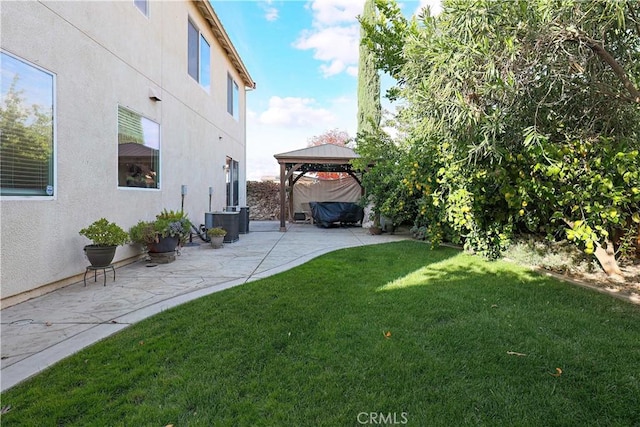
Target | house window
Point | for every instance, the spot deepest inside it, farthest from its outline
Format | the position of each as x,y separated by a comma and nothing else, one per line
233,94
27,128
199,60
143,6
138,150
232,169
194,57
205,63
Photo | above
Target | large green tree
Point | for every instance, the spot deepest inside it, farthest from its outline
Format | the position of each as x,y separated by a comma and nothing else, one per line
369,116
369,109
520,116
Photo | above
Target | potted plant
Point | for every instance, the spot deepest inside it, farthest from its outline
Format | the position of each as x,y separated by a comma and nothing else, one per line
144,233
106,237
216,234
170,229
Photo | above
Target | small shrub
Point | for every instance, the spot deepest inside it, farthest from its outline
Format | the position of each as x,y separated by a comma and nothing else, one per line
105,233
216,231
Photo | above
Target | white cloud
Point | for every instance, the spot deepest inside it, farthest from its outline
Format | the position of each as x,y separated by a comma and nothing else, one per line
331,12
335,35
336,47
270,12
292,111
336,67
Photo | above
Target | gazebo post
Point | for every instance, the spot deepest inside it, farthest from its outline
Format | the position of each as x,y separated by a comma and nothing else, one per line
290,201
283,174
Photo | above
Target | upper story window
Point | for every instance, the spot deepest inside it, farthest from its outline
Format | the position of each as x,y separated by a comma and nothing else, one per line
138,150
199,56
233,95
27,128
143,5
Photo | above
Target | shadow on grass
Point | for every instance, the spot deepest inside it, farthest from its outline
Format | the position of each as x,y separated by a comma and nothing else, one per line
386,329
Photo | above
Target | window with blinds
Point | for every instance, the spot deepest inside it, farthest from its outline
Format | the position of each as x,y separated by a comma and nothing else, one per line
27,136
138,150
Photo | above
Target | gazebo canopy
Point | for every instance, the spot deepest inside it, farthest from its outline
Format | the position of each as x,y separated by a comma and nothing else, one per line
319,158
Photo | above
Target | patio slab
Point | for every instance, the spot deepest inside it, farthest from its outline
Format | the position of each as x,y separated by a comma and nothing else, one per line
39,332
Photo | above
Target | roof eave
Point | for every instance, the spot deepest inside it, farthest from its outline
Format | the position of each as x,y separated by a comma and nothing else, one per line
223,39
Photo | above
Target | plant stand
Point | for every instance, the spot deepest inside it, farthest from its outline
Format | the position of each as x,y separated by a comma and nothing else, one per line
95,273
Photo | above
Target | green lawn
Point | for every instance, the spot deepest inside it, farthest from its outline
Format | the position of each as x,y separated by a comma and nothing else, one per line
396,329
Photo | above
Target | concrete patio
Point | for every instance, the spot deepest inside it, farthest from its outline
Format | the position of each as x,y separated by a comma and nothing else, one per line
39,332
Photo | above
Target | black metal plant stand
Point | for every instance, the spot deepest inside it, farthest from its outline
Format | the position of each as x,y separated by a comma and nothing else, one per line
95,273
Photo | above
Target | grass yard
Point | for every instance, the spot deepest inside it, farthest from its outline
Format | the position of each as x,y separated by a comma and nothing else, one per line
393,333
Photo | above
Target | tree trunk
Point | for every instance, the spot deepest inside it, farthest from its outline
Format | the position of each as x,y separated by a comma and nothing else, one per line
598,48
604,255
607,259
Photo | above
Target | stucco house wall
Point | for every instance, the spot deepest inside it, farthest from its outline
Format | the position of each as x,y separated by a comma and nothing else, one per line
105,55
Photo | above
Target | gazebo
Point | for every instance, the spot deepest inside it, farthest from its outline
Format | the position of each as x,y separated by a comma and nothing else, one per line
320,158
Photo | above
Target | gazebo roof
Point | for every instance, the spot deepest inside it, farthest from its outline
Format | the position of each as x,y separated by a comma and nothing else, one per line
319,158
319,154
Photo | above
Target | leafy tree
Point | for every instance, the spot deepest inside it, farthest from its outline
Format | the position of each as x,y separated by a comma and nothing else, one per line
520,116
334,137
385,34
381,159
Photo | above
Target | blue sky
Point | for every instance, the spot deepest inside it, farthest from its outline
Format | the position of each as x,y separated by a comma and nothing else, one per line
303,55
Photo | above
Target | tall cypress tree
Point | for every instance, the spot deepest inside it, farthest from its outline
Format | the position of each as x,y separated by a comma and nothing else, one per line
369,109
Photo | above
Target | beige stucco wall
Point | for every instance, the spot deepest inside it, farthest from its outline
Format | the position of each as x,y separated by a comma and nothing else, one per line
106,54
